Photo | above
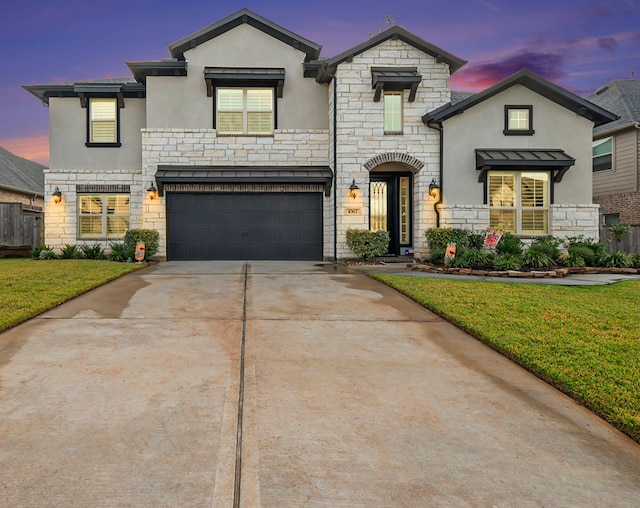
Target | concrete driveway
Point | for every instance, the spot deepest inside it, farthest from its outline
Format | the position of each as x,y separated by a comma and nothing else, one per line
351,396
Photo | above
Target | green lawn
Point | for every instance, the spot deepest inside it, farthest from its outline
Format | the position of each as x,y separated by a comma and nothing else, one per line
583,340
28,287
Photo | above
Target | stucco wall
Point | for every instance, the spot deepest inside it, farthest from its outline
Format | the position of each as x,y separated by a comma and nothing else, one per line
68,128
481,127
182,102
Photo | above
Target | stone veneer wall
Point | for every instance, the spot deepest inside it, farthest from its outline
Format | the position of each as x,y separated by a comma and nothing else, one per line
626,204
574,220
203,147
61,220
564,220
361,138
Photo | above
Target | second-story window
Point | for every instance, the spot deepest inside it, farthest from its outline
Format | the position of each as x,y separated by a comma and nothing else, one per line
602,154
392,112
518,121
103,122
247,111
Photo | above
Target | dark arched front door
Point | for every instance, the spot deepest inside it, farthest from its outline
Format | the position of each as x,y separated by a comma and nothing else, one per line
391,208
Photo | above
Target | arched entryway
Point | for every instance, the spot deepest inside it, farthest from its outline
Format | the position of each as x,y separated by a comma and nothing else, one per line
391,198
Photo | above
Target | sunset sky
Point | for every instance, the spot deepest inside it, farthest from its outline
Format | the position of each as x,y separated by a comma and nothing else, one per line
580,45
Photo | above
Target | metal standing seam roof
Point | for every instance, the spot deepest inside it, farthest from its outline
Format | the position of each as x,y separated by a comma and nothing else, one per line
395,78
244,174
509,158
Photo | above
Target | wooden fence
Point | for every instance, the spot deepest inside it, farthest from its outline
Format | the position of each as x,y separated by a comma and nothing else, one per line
20,225
630,244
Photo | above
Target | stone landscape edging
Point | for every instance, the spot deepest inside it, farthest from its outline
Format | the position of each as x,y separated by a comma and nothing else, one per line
533,274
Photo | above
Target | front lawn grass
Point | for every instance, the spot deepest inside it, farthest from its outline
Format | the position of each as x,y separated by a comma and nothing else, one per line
28,287
583,340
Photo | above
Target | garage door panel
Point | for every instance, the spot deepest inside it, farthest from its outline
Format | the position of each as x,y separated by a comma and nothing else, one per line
244,226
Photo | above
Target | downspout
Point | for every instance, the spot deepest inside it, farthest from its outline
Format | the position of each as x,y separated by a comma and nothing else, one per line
440,169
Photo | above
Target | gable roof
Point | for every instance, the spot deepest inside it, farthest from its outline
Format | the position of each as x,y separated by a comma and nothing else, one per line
178,48
535,83
396,33
20,174
621,97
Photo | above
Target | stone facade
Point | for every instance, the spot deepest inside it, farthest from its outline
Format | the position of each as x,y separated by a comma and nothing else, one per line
362,145
471,217
566,220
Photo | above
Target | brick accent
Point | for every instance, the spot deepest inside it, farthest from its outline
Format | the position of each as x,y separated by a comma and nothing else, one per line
220,187
627,205
412,163
103,188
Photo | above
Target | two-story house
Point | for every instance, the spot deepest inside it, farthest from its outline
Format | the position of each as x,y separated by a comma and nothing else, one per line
616,153
246,144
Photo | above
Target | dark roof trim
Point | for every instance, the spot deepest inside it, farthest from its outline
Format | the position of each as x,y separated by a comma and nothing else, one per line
395,78
395,33
244,174
126,89
254,76
178,48
534,83
508,159
173,67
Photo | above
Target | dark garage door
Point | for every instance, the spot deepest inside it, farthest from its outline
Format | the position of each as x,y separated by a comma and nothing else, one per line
244,226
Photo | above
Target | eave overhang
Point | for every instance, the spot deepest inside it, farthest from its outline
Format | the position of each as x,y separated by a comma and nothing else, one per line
173,67
125,89
244,175
509,159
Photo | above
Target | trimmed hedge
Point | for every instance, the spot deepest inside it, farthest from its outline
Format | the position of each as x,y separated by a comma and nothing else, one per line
368,244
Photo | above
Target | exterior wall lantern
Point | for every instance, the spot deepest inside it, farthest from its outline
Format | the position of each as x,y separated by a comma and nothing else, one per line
152,192
57,195
353,188
434,188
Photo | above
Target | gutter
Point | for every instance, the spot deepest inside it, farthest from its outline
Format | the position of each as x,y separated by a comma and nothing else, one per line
440,129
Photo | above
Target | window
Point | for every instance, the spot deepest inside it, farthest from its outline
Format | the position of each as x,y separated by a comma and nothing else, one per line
103,122
611,219
246,111
518,121
103,215
393,112
519,202
602,154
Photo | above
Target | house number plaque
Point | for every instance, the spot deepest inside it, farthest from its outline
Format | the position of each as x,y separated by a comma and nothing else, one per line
354,211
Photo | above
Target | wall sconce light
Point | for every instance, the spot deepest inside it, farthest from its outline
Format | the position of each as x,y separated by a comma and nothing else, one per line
434,188
152,192
57,195
353,188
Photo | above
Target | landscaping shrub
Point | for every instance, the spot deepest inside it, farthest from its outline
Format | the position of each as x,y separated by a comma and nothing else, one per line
117,252
507,261
547,245
619,231
70,252
47,253
536,259
573,259
94,251
635,259
436,256
475,240
510,244
368,244
438,238
35,253
476,259
617,260
150,238
592,252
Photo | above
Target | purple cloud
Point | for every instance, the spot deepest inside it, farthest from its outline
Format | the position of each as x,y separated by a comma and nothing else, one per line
608,44
480,76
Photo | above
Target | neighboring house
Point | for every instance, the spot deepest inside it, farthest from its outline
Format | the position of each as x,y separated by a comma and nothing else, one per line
260,149
21,202
21,180
616,153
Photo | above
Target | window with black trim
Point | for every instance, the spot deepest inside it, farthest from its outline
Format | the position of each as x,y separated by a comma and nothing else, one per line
245,111
519,201
103,116
518,121
103,215
392,112
602,151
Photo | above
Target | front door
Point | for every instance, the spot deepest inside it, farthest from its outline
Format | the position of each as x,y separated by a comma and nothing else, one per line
390,208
